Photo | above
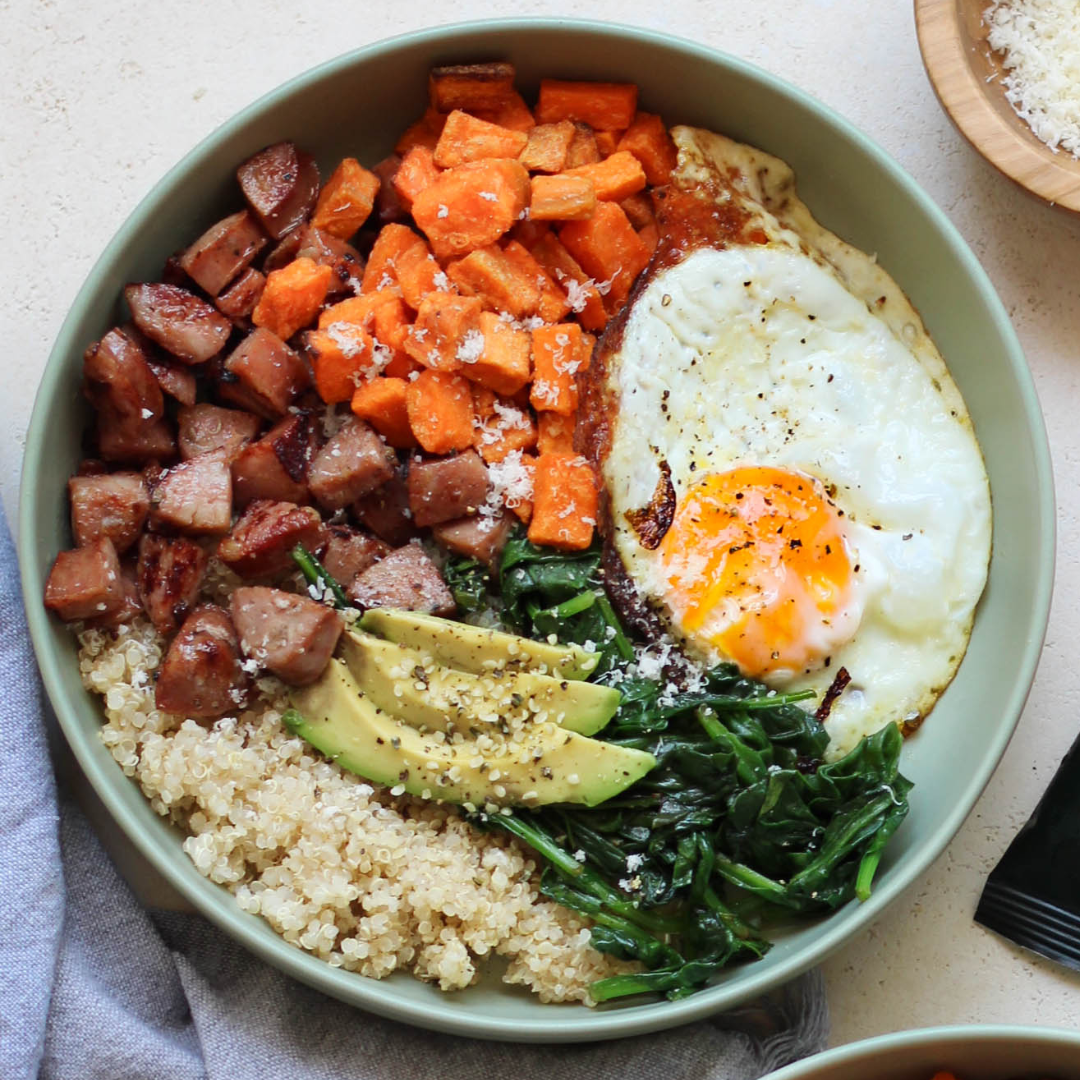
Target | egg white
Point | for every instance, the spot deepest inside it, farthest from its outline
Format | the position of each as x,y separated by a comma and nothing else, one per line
760,355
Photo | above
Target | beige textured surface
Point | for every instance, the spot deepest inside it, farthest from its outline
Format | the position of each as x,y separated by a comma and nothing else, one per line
98,100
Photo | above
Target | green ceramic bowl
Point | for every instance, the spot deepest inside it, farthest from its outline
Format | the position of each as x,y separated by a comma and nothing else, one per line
977,1052
355,105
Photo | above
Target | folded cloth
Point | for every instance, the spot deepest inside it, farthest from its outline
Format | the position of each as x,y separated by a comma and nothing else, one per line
93,987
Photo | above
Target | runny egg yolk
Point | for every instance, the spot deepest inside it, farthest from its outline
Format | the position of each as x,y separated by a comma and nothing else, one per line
756,565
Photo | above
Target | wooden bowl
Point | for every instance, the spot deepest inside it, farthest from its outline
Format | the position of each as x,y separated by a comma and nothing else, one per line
966,75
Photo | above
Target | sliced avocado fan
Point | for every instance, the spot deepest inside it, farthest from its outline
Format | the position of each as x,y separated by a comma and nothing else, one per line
550,765
407,683
475,648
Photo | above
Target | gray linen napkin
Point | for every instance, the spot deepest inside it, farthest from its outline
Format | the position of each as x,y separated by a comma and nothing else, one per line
93,987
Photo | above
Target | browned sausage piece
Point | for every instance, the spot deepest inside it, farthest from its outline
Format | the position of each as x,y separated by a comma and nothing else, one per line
223,251
195,496
174,379
350,551
178,320
201,676
113,505
239,299
281,185
136,446
276,466
479,537
270,374
354,462
407,579
261,540
206,427
170,574
447,488
130,605
285,252
386,511
85,583
388,204
290,635
117,377
327,250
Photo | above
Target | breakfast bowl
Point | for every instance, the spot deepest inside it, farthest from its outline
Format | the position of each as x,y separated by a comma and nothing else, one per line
976,1052
966,74
854,189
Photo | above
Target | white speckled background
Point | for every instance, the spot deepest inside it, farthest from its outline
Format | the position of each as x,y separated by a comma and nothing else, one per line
99,99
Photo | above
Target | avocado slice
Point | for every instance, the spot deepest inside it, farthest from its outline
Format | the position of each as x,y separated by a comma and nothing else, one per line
476,649
562,766
405,682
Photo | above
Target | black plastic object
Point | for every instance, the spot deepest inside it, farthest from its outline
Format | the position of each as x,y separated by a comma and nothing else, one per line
1032,897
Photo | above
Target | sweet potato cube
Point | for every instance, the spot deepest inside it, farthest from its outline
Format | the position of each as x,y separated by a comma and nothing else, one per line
292,297
606,106
639,209
565,197
419,274
616,177
581,292
472,205
514,498
515,114
359,310
557,359
346,200
650,237
607,142
650,142
497,281
425,132
381,402
555,432
546,148
582,149
440,409
466,138
503,365
416,172
392,323
608,249
471,86
553,305
501,426
393,241
565,502
443,322
340,355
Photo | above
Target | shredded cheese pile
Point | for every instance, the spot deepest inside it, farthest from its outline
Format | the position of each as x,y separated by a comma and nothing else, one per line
1040,42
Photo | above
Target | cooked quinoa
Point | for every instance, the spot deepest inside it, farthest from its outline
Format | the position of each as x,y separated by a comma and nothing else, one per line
363,880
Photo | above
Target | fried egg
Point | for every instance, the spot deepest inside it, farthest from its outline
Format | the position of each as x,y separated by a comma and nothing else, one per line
792,478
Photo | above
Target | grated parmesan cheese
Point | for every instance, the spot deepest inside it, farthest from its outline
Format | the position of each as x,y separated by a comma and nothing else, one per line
1040,44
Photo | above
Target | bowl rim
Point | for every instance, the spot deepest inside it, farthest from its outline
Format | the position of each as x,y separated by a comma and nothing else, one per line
102,770
1013,150
866,1051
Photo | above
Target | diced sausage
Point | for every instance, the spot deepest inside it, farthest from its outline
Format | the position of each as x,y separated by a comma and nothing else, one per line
206,427
354,462
327,250
281,185
201,676
223,251
172,273
113,505
269,374
386,511
406,578
174,379
290,635
130,606
261,540
350,551
117,377
284,252
447,488
388,204
151,441
479,537
170,574
85,583
276,466
195,496
239,299
178,321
